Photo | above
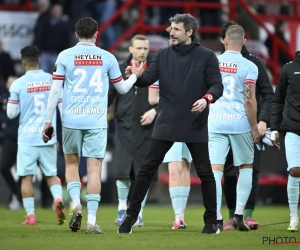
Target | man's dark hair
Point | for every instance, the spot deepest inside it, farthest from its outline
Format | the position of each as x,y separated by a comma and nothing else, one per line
30,54
225,27
86,27
189,22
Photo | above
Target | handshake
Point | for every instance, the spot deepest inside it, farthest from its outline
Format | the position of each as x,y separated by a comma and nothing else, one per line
137,69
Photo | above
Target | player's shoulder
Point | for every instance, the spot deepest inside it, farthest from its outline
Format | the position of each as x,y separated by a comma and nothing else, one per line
248,63
17,83
65,52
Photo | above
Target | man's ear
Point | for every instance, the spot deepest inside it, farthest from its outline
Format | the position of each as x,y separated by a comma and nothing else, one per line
189,33
130,49
222,40
244,42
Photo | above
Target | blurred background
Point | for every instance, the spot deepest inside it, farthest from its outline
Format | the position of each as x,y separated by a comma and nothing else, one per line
273,33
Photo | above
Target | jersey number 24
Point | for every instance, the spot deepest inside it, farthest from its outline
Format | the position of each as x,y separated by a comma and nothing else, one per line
95,80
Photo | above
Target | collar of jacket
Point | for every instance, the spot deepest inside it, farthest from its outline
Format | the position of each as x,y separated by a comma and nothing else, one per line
186,48
244,50
148,59
297,57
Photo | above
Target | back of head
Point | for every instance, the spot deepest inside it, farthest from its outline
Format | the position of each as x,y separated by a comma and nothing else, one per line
189,22
30,56
235,35
225,27
86,27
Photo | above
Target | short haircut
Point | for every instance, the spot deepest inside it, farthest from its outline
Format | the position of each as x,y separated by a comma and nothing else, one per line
189,22
138,37
225,27
235,34
86,27
30,54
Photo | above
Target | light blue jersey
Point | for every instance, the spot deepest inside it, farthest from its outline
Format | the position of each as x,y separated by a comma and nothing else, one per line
86,70
31,92
228,114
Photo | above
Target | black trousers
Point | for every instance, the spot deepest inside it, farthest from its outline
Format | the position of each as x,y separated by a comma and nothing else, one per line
155,156
9,158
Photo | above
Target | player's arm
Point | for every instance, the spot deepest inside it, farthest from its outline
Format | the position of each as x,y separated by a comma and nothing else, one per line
278,101
58,78
151,74
117,80
13,107
250,100
153,94
214,80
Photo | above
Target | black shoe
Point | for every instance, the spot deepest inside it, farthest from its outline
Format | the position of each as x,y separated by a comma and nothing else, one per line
238,223
211,229
127,225
220,224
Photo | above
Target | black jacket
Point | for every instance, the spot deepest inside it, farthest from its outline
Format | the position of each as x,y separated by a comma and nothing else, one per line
264,89
132,139
186,73
285,116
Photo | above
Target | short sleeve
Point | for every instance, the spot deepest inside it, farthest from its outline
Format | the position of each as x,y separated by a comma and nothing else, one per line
59,71
14,93
155,85
252,74
114,72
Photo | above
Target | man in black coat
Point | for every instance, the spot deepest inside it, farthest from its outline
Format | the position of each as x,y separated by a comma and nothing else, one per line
285,119
264,95
134,118
189,79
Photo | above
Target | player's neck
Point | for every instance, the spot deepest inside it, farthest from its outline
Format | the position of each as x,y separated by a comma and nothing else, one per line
87,40
32,68
234,48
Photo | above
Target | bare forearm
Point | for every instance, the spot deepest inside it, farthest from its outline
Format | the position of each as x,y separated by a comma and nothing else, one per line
251,111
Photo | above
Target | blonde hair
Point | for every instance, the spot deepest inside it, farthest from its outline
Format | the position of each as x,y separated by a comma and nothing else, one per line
138,37
235,34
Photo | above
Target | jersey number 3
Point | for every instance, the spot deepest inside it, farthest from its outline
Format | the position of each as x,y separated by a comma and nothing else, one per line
229,87
95,80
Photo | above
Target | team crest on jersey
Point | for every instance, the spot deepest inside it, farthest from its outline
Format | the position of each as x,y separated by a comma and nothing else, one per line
228,67
88,60
38,86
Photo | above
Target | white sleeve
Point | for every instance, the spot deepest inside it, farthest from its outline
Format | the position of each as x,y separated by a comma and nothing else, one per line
124,86
53,99
12,109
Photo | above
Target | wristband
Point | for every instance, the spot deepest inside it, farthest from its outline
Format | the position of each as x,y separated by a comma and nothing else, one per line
209,98
273,135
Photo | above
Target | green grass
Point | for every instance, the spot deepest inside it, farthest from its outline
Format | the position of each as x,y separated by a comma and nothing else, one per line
157,233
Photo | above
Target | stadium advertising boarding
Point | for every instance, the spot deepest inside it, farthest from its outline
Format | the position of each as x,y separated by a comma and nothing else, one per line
16,31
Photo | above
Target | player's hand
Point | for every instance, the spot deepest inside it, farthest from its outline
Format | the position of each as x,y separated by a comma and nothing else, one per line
262,127
199,106
148,117
137,70
45,137
128,71
256,135
275,139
